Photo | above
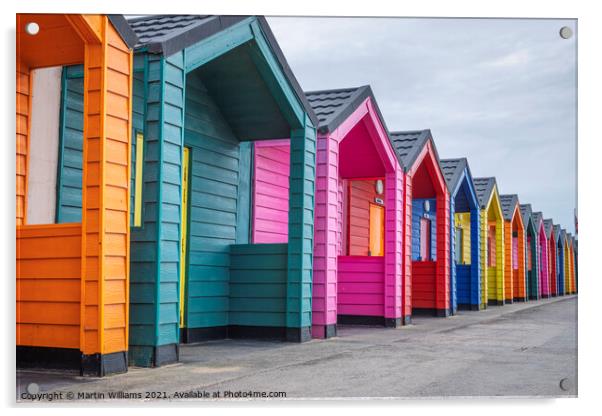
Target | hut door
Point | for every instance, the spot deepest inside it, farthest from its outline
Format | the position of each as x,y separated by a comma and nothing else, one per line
184,234
377,230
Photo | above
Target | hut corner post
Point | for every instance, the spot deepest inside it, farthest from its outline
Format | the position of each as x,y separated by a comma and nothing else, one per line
442,294
393,246
476,285
484,272
324,319
105,206
301,232
406,300
453,304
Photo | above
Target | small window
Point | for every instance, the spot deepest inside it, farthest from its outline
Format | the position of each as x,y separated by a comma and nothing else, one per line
425,239
459,246
139,161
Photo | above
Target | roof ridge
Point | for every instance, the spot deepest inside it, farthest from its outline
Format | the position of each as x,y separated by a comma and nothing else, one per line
349,89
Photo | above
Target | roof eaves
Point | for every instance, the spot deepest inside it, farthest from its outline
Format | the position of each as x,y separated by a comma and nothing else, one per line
267,31
124,29
186,36
359,95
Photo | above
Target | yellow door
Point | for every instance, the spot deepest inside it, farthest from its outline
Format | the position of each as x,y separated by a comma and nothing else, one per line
184,234
377,230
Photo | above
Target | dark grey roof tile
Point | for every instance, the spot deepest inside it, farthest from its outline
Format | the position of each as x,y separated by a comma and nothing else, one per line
509,203
537,220
548,225
556,232
484,187
332,107
408,144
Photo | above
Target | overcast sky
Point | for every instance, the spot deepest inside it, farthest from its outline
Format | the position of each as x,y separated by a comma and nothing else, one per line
500,92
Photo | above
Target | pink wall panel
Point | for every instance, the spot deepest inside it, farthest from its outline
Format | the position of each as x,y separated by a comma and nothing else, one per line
270,192
360,285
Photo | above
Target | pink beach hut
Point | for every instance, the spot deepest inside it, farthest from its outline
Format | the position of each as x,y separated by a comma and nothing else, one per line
542,251
357,274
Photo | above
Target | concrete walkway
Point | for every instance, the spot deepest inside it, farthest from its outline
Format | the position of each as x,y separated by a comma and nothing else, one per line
523,349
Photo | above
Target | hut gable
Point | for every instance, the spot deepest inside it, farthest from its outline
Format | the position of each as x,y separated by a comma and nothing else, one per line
508,203
556,232
168,34
333,107
548,227
537,220
409,144
526,213
452,171
484,188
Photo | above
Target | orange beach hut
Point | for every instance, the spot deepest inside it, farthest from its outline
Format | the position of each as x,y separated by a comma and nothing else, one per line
72,278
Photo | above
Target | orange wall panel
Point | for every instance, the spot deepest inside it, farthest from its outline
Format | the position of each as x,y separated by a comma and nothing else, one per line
48,291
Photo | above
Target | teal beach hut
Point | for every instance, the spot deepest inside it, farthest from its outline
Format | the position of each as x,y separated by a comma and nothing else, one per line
531,257
205,88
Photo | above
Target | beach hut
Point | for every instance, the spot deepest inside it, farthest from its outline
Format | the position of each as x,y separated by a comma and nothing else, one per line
492,242
72,277
464,217
571,250
576,257
206,87
565,258
567,264
542,253
549,227
357,271
426,259
531,252
515,282
559,251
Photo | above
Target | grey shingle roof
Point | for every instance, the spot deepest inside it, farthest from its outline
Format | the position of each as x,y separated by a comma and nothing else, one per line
408,144
526,213
563,235
452,171
124,29
168,34
484,187
556,232
509,203
333,107
548,225
537,219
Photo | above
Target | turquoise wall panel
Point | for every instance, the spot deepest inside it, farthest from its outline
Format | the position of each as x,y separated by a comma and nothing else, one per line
69,169
214,181
258,284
